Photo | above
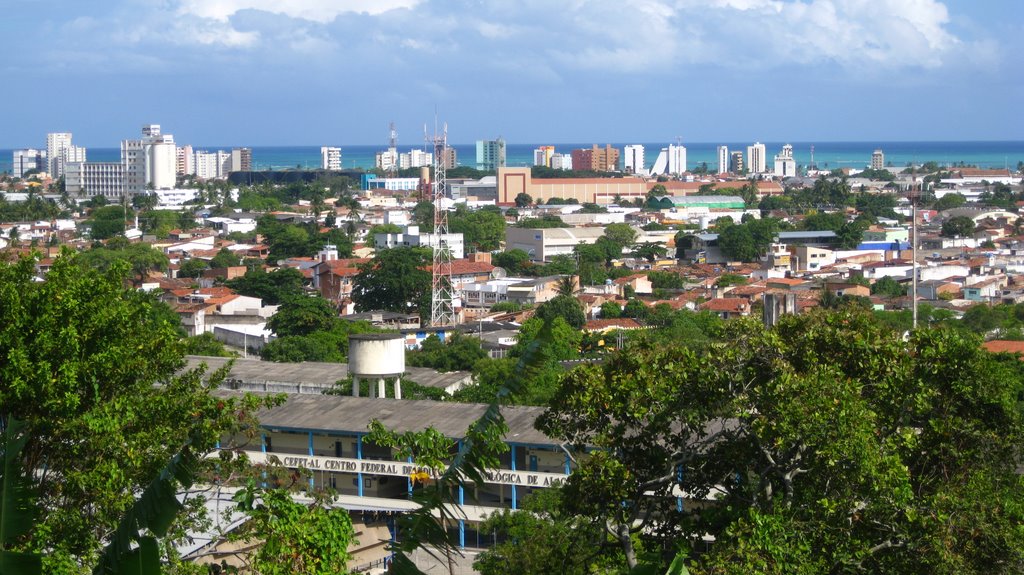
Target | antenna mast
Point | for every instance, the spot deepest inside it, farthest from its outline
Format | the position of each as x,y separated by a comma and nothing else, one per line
393,150
442,305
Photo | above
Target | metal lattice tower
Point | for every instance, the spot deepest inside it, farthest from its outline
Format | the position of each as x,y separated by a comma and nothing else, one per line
442,296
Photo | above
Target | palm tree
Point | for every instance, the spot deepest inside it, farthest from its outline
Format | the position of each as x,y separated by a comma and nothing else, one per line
566,285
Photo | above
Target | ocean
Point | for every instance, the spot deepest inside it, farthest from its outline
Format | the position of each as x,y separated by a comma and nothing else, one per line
827,155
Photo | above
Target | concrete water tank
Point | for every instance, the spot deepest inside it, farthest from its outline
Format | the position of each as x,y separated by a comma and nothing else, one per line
376,354
376,357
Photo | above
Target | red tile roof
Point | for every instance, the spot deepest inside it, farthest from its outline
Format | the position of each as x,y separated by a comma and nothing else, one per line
1004,346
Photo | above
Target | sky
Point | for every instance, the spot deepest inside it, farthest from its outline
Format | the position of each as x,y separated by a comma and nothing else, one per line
336,72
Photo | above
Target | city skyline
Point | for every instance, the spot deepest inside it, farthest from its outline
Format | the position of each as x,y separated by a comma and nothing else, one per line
312,72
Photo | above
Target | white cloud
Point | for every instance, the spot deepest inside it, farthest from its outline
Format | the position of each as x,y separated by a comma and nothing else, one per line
322,11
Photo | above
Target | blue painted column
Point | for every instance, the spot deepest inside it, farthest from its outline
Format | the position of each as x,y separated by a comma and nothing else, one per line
359,456
263,449
679,479
515,503
408,480
568,464
311,481
462,522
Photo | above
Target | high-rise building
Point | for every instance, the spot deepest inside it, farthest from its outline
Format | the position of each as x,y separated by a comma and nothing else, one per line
785,165
91,179
756,158
449,159
212,165
671,160
561,161
877,160
150,162
330,158
387,160
723,159
542,156
736,162
415,159
596,159
57,144
28,160
241,160
633,159
185,161
490,154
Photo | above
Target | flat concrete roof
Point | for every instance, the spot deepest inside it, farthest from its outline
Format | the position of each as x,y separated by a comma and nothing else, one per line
337,414
311,373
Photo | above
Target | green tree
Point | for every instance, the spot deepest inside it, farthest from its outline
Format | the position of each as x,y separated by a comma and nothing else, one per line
611,310
296,538
141,258
949,201
106,222
737,243
541,539
302,315
622,235
193,268
649,251
523,200
397,279
91,370
827,444
482,229
635,309
957,227
272,287
514,261
888,287
457,353
225,258
566,307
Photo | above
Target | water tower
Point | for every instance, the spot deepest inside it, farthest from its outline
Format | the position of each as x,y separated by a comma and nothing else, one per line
376,357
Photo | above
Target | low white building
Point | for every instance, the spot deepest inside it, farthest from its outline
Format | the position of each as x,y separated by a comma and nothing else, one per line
412,237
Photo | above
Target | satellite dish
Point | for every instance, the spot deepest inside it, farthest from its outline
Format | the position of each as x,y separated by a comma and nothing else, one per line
497,273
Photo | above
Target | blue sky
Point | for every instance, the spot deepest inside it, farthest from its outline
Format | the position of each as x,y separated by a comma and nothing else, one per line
312,72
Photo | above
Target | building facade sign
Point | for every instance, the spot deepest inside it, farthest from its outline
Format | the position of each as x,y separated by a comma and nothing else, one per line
399,468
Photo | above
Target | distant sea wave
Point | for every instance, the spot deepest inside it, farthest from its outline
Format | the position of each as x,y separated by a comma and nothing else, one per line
827,155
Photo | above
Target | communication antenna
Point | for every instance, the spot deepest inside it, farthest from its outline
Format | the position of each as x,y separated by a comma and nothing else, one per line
442,297
393,150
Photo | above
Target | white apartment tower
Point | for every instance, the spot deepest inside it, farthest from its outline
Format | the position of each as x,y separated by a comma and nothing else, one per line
671,160
415,159
60,151
723,159
150,162
878,160
785,165
756,158
633,159
330,158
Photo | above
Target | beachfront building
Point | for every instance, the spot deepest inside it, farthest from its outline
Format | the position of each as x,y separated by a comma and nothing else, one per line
785,165
185,160
633,159
28,160
671,160
877,160
736,164
542,156
415,159
490,154
596,159
723,159
91,179
330,158
756,158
